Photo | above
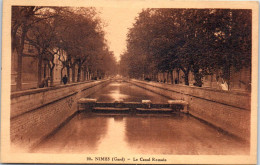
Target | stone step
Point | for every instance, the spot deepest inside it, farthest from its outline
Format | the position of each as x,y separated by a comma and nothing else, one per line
155,109
110,109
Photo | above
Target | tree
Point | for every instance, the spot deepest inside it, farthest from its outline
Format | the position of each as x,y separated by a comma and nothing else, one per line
201,41
82,40
23,19
138,41
43,37
232,41
75,36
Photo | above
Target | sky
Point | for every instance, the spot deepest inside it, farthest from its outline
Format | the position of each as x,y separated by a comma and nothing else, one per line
118,20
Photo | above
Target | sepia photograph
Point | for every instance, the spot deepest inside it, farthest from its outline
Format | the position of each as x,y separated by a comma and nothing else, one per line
121,82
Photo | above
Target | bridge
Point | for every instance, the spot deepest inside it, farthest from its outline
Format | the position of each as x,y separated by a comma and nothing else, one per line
134,115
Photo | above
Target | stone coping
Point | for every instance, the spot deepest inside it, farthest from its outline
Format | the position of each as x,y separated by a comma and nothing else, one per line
202,93
242,93
39,90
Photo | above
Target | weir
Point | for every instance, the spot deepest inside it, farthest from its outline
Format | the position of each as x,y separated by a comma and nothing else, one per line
146,106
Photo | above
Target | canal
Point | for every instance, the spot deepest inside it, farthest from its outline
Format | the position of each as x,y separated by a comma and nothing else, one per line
178,134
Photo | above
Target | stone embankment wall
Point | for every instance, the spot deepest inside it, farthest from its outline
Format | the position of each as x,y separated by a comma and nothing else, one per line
229,111
36,114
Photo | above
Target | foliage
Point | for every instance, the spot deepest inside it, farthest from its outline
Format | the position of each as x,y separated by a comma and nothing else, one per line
201,41
76,32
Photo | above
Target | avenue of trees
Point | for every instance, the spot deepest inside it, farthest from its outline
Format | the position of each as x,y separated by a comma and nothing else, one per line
74,35
200,41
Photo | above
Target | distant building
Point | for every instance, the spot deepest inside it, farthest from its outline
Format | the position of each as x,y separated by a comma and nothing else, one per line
30,68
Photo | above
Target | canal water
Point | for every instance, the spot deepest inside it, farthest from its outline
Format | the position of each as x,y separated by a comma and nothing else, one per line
178,134
126,92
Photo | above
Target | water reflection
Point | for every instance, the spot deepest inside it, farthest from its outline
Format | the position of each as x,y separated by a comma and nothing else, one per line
114,142
118,118
183,136
126,92
141,134
117,95
82,134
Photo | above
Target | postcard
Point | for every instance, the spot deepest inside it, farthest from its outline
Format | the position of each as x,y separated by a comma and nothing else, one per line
129,82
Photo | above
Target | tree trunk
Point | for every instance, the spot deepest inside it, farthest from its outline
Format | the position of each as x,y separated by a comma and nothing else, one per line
197,77
73,73
228,72
84,73
186,78
51,76
97,75
167,77
171,76
40,70
156,76
229,75
68,73
19,72
178,78
163,77
51,66
20,60
61,75
89,76
186,75
79,73
44,70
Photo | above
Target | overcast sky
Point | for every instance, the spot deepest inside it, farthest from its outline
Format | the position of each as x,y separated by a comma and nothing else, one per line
118,21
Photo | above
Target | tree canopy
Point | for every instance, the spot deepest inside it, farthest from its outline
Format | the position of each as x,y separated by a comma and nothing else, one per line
200,41
75,31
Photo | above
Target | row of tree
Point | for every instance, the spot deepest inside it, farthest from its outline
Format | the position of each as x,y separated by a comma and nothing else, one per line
201,41
73,35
